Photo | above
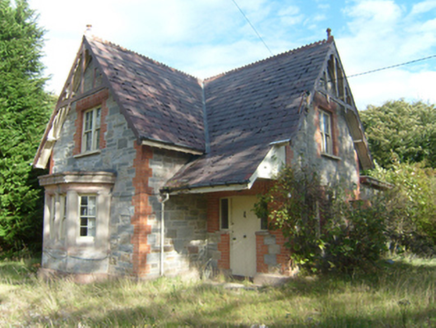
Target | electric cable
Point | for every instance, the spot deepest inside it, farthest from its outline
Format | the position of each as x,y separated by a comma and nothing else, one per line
254,29
392,66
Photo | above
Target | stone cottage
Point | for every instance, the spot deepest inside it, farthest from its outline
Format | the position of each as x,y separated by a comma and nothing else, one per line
153,171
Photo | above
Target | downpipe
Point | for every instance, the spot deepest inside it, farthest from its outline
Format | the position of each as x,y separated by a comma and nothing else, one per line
162,232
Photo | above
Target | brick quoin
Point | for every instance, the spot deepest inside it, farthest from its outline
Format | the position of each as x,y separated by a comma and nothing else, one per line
224,248
51,163
84,104
283,257
141,228
261,251
289,153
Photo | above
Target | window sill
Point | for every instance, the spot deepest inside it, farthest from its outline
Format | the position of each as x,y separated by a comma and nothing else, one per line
336,158
85,241
89,153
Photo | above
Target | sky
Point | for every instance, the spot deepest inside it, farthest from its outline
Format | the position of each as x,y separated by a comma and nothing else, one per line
209,37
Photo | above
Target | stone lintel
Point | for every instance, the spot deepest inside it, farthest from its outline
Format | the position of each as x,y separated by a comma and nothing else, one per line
87,177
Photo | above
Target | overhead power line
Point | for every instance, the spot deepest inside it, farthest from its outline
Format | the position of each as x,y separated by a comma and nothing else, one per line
393,66
254,29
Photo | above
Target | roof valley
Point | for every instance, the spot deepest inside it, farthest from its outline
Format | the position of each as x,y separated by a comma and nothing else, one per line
205,124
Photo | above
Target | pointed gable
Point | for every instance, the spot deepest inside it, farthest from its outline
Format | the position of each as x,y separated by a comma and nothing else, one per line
233,118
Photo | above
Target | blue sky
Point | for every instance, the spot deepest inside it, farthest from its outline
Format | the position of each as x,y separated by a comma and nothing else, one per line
208,37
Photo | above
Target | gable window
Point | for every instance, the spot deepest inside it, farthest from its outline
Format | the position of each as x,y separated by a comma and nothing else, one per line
224,213
325,128
91,130
88,211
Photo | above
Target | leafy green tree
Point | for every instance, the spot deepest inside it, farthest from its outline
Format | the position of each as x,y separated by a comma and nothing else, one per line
415,192
24,112
402,131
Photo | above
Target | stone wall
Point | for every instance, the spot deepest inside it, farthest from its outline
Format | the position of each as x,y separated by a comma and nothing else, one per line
342,167
184,216
135,202
117,157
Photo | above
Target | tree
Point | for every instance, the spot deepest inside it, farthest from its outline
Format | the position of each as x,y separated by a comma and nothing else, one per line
401,131
24,112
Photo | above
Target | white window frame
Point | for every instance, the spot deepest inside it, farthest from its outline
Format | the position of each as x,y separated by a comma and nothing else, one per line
91,129
88,215
326,132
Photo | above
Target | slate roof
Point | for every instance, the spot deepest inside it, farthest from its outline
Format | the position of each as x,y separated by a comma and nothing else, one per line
160,102
249,108
246,109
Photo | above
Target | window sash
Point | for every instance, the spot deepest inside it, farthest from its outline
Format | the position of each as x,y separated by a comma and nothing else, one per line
63,216
91,129
87,215
325,127
224,213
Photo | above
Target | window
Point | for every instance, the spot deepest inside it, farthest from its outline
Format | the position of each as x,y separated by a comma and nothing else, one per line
52,216
91,130
325,128
63,216
88,210
224,213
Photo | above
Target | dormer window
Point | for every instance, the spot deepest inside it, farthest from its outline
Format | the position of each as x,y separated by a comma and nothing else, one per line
325,128
91,130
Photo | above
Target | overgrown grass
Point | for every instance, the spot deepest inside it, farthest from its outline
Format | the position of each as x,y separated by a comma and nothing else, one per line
402,294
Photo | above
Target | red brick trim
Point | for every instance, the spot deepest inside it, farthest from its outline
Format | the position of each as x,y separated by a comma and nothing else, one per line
289,153
261,251
321,102
84,104
357,190
284,256
51,162
224,248
141,228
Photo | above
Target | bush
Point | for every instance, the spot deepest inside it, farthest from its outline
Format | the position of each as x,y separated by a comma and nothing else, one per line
413,206
323,230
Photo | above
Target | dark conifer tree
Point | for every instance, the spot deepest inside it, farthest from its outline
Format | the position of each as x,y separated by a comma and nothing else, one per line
24,112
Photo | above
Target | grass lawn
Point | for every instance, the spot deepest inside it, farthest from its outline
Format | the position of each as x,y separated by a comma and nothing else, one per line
402,294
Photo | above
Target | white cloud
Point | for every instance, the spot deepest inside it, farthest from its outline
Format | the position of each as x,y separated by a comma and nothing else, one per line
392,85
423,7
382,33
205,38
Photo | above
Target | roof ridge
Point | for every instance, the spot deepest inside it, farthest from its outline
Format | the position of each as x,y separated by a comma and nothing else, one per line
114,45
267,59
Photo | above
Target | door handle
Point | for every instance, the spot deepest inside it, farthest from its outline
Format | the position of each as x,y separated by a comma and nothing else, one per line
245,236
234,238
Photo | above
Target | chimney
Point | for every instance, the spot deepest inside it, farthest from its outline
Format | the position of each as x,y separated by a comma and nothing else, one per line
329,35
88,29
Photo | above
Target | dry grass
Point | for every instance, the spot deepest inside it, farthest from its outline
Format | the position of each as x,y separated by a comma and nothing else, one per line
398,295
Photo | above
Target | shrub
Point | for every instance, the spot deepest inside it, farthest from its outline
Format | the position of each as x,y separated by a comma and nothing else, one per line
323,230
